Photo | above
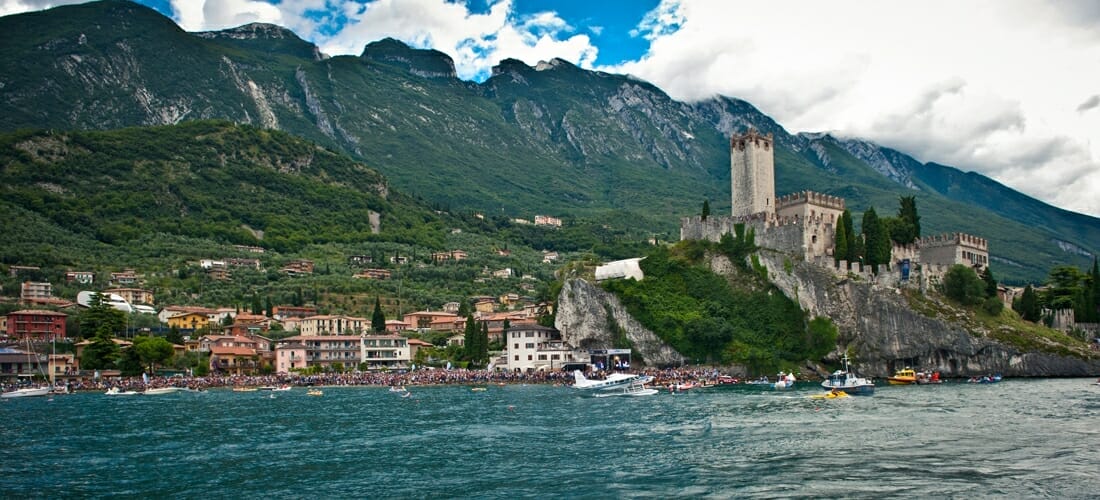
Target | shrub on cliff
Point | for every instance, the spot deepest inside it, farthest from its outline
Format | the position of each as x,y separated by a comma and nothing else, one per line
963,285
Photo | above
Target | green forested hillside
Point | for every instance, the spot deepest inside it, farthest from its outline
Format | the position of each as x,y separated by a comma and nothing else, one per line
553,139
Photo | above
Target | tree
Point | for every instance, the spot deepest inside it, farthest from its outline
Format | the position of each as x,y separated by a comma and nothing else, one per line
99,316
909,221
152,351
855,248
256,308
876,242
174,335
102,353
1028,305
706,209
378,319
464,308
990,282
962,284
840,245
1065,290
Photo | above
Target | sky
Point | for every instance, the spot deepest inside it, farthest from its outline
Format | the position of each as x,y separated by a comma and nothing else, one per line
1006,88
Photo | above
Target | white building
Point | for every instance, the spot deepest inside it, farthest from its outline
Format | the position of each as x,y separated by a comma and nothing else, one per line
333,325
534,347
620,269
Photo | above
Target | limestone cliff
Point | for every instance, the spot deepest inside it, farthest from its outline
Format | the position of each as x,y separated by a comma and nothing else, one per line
877,324
587,317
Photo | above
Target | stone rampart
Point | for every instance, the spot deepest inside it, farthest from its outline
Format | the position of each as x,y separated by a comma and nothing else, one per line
811,197
952,239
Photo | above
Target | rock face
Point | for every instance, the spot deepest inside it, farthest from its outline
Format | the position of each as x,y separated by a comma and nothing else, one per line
878,326
586,315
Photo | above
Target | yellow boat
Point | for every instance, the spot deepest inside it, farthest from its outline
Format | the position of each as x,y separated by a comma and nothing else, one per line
830,395
315,392
905,376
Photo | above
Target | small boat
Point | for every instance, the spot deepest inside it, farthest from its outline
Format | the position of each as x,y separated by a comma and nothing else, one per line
244,389
397,389
26,392
284,387
987,379
904,376
478,389
315,392
760,381
924,377
785,381
849,382
162,390
266,388
833,394
115,391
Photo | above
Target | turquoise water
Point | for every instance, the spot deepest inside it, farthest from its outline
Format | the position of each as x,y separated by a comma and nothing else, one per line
1038,438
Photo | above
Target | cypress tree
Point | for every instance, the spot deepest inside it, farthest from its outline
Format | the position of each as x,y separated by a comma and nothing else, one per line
378,319
875,240
990,282
840,248
706,209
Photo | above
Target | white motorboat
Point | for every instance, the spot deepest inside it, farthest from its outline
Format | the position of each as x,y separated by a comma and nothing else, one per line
26,392
115,391
162,390
786,381
849,382
615,380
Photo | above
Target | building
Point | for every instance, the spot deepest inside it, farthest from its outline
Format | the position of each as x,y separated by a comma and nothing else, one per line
284,312
360,260
298,267
169,311
373,274
304,351
422,320
396,326
954,248
17,270
546,220
82,277
752,173
452,307
36,325
34,291
385,352
133,295
14,364
620,269
189,321
126,278
533,347
249,249
227,360
333,325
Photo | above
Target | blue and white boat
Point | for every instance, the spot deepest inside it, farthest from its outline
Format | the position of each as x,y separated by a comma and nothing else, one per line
849,382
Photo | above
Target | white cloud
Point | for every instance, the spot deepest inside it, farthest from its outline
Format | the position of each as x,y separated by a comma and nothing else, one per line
999,87
9,7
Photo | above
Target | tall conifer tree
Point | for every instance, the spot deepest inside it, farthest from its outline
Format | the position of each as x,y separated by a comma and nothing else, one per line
378,318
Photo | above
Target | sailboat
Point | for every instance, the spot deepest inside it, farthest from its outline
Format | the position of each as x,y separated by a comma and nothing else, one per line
28,391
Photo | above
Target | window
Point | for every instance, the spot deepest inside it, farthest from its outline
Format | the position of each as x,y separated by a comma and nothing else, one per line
542,357
529,345
530,334
517,357
528,357
517,345
555,356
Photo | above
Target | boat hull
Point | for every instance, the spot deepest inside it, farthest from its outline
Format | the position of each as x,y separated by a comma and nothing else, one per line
26,393
852,390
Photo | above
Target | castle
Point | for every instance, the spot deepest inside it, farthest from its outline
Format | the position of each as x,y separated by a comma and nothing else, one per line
803,224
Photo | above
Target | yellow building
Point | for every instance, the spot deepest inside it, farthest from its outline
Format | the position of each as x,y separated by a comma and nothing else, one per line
189,321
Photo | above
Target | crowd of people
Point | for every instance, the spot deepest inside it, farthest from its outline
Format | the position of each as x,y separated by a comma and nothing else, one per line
421,377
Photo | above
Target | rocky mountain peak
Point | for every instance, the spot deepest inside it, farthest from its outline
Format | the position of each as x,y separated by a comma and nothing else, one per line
426,63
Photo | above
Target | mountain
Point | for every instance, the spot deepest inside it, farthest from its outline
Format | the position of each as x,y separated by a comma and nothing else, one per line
551,139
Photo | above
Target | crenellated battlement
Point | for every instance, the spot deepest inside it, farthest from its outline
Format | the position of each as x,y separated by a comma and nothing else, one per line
740,141
810,197
953,239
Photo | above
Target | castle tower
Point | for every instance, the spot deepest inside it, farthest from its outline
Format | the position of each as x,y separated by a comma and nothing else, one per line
752,173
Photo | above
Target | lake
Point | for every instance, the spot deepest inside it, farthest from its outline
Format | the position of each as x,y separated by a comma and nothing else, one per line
1018,438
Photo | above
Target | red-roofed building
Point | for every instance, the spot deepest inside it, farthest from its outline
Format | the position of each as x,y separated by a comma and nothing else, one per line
233,360
424,319
35,324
